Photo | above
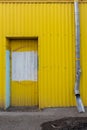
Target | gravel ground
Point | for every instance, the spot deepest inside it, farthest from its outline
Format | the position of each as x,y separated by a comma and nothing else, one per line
33,120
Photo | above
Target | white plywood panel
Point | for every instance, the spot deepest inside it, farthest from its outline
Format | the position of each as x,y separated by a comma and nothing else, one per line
24,66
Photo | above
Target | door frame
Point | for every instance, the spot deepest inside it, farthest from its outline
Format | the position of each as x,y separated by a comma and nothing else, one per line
7,88
7,104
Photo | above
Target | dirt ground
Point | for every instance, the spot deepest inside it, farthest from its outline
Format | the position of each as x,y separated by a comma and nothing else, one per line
33,120
69,123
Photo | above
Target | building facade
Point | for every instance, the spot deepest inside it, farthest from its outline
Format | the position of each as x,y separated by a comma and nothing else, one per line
37,53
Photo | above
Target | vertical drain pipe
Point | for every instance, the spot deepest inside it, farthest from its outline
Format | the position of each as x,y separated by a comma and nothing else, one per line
80,106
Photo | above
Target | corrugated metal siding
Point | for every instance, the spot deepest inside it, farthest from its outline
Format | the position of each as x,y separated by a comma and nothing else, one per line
42,1
83,34
53,23
2,64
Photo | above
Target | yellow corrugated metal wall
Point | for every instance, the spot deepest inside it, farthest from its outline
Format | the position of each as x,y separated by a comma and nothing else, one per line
53,24
83,34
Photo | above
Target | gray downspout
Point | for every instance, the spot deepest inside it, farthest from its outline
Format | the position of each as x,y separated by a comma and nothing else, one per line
80,106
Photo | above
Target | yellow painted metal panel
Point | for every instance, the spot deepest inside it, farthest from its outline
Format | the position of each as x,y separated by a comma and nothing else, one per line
23,92
53,23
2,58
57,69
41,1
23,45
83,34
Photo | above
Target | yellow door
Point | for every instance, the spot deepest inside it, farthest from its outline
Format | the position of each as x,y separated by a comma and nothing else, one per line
24,90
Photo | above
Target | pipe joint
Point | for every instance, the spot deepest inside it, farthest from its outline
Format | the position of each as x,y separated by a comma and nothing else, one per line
77,92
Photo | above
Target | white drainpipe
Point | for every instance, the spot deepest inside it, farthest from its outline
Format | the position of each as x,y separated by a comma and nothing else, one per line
80,106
